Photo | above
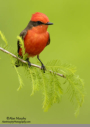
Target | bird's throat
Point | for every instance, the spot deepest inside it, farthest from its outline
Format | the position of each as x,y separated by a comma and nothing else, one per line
40,29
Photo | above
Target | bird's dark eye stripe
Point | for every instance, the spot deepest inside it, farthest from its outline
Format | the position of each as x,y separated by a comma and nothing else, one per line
39,22
36,23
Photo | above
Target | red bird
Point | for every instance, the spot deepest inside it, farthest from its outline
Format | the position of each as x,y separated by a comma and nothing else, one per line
35,36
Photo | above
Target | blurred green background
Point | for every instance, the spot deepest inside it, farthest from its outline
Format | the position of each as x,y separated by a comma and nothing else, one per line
70,42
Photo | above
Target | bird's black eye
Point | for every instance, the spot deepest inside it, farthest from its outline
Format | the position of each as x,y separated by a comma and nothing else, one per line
39,22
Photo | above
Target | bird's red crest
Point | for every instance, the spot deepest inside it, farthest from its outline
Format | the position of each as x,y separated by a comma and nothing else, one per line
40,17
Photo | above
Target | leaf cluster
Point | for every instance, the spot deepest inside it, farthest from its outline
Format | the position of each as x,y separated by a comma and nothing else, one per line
50,84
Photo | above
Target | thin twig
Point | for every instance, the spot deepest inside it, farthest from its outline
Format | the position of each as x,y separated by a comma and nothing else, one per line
23,61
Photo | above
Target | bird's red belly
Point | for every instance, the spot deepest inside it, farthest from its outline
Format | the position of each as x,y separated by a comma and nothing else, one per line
34,43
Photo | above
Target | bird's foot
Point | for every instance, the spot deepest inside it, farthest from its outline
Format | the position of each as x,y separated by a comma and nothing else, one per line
43,68
29,64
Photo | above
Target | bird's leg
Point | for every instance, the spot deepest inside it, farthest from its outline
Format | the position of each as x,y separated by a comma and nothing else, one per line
29,64
42,67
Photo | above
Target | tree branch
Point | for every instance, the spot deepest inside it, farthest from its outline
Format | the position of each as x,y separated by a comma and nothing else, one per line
23,61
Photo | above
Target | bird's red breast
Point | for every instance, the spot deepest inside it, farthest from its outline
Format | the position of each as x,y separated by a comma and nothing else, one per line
34,43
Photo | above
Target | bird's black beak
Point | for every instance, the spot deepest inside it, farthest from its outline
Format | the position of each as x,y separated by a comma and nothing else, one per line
49,23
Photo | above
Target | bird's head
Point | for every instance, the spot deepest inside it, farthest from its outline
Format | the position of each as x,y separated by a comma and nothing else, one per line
40,21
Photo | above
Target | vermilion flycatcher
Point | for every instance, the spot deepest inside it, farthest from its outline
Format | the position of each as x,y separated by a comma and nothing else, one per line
35,36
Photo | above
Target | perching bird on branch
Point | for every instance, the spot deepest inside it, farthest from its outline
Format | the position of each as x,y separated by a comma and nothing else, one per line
35,36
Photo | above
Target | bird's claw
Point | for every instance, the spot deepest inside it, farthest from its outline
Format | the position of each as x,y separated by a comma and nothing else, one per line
43,68
29,64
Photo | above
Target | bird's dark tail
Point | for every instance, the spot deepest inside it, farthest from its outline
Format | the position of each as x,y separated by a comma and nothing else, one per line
17,64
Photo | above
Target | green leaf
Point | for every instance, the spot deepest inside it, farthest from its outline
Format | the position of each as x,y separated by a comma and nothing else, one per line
22,46
4,39
50,84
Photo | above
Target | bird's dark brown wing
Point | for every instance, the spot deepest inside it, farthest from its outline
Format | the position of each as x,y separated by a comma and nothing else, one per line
23,34
48,41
